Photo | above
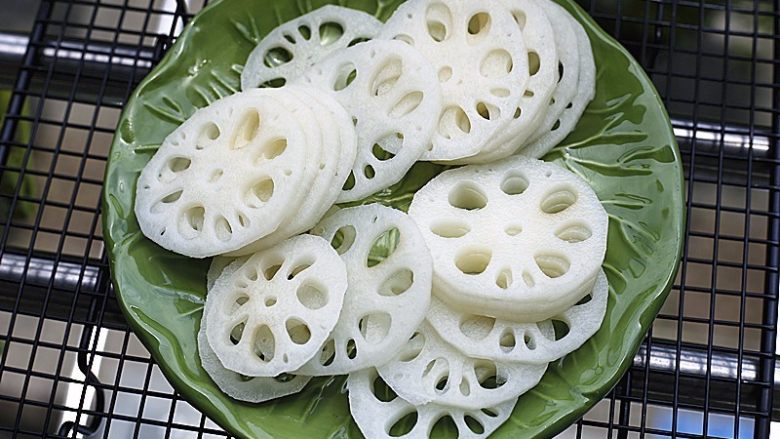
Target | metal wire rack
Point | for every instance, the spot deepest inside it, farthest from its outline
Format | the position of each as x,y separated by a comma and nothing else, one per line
71,368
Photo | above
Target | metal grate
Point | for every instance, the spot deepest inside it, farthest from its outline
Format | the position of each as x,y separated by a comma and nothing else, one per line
70,367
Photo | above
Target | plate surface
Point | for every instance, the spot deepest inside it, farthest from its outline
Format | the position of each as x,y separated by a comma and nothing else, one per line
624,146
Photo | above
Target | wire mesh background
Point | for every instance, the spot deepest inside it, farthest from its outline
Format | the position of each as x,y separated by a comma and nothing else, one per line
71,367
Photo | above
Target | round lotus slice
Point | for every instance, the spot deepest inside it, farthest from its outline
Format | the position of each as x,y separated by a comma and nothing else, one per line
389,271
392,93
429,370
543,64
381,414
521,239
224,178
503,340
566,112
292,48
270,315
482,63
244,388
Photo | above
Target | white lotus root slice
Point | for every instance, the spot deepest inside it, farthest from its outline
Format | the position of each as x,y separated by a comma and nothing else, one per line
543,63
271,314
520,239
381,414
389,271
225,177
245,388
482,63
429,370
502,340
292,48
394,97
579,75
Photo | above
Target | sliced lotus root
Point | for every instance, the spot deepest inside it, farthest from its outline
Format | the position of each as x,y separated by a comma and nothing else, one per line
225,177
429,370
271,314
503,340
381,414
544,71
292,48
245,388
482,63
568,107
392,93
520,239
389,291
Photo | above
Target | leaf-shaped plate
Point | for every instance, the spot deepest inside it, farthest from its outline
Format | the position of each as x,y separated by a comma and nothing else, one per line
624,146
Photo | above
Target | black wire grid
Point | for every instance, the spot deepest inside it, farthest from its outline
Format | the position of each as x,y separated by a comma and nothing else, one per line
71,367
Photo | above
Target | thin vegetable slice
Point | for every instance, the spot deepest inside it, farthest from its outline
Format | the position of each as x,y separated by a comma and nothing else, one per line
381,414
482,63
270,314
389,270
502,340
292,48
429,370
520,239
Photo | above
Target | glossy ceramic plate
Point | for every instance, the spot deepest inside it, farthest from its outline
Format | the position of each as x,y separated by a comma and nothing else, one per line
624,146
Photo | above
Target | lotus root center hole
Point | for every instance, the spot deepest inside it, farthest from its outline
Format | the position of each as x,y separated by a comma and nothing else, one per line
467,196
477,327
553,266
397,283
444,427
473,261
406,105
273,149
404,425
561,329
194,218
528,279
497,64
277,56
529,342
247,129
504,279
343,239
223,229
487,374
260,192
351,349
514,184
347,73
479,24
381,391
298,331
474,425
574,233
383,247
375,327
520,18
513,230
412,350
237,333
270,301
454,123
507,341
263,345
558,201
312,296
534,64
216,175
330,33
450,229
209,133
445,74
387,76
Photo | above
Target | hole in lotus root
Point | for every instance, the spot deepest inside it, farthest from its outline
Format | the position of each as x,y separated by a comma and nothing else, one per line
504,279
270,301
357,41
477,327
263,345
520,18
277,56
412,349
473,261
513,229
529,341
404,425
209,133
299,267
330,32
223,229
514,183
272,150
441,384
439,20
172,198
454,123
343,239
445,74
479,24
444,427
405,38
381,391
507,341
406,105
558,201
290,38
173,166
380,148
260,192
274,83
347,73
369,172
192,220
473,424
585,300
534,64
497,64
500,92
312,296
490,412
561,329
216,175
467,196
560,71
574,233
397,283
518,113
298,331
375,327
450,229
328,353
553,266
487,374
247,128
351,349
383,247
350,183
465,388
240,300
305,32
528,279
237,332
386,76
484,110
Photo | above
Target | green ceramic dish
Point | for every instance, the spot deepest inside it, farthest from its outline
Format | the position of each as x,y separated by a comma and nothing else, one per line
624,146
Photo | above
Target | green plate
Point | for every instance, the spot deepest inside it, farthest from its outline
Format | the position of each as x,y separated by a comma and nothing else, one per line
624,146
